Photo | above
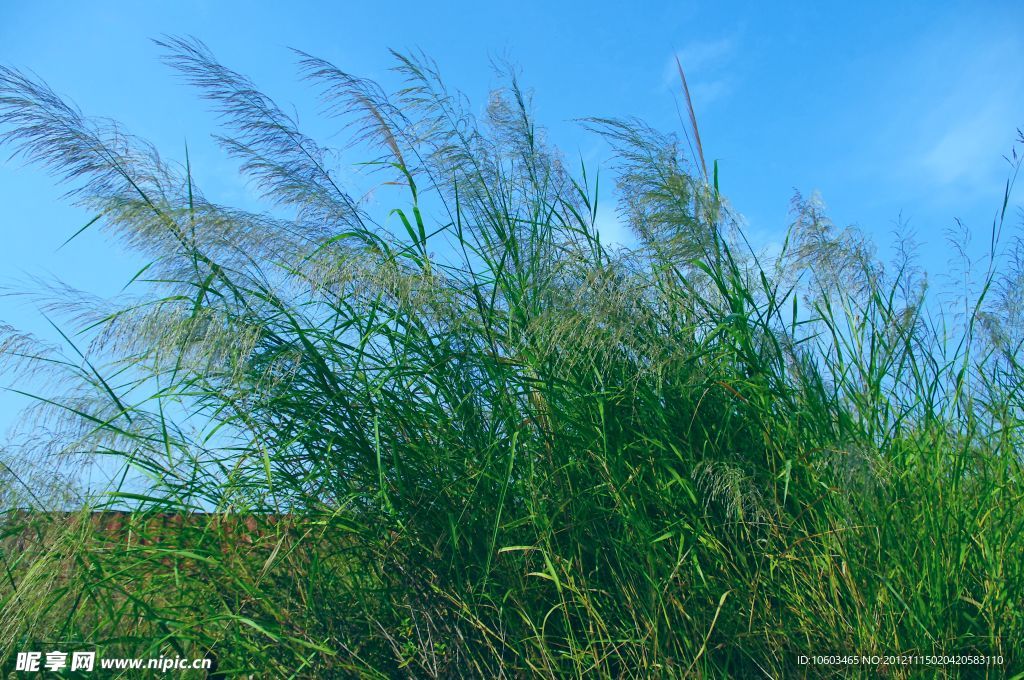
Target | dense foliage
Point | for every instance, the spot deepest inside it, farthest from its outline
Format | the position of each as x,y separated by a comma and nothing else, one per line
482,443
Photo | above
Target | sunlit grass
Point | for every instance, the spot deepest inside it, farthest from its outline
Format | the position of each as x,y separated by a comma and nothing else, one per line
530,454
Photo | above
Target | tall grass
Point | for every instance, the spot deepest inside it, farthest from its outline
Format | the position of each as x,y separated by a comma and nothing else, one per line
532,453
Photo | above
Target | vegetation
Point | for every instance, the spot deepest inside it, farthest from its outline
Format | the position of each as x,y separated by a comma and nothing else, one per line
469,439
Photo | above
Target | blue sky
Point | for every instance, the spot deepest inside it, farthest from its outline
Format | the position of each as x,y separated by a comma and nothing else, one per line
891,111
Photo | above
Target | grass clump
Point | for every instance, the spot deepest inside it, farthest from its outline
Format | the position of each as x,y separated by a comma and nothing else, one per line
531,453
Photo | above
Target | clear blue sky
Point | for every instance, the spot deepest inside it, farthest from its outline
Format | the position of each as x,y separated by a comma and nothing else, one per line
887,109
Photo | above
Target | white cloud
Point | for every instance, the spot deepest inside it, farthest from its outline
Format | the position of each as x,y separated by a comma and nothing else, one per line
700,57
706,64
961,134
968,146
705,93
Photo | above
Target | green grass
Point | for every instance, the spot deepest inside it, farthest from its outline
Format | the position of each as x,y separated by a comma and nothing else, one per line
530,454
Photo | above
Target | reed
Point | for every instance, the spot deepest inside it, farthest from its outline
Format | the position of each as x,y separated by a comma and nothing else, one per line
502,447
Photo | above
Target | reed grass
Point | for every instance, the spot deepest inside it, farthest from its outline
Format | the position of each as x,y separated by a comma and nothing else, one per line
530,454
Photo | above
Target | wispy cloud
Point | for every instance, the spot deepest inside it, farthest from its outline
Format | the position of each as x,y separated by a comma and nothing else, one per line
968,144
702,56
962,133
707,65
